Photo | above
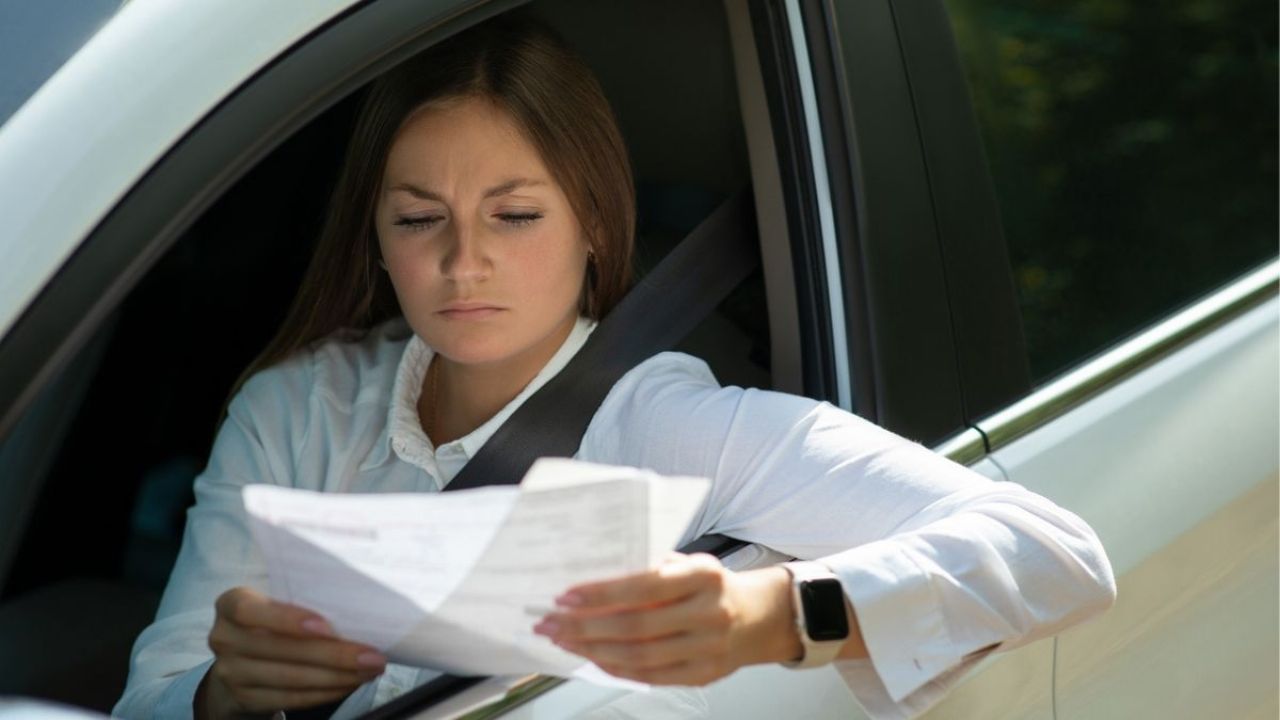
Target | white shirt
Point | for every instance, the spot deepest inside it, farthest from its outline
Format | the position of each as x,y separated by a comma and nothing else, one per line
937,560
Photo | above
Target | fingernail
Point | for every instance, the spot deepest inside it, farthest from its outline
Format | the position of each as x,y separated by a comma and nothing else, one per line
371,659
547,627
570,599
317,626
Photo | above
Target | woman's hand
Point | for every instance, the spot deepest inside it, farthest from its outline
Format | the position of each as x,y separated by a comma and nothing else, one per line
271,656
689,621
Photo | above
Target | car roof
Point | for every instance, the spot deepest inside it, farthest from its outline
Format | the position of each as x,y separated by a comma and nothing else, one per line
72,151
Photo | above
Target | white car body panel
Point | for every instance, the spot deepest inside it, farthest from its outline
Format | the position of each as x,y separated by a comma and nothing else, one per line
88,134
1176,469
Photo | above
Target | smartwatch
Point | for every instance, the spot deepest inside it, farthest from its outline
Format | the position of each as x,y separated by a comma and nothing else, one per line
819,603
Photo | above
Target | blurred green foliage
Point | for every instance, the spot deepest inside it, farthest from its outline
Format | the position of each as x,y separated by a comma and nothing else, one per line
1133,147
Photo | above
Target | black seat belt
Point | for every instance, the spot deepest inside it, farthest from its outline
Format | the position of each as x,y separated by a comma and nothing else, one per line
657,313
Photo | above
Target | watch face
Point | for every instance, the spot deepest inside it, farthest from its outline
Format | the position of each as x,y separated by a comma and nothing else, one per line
824,615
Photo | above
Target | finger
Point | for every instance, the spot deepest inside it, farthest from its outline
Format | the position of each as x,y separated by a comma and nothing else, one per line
648,654
263,700
249,608
642,624
670,581
230,640
247,672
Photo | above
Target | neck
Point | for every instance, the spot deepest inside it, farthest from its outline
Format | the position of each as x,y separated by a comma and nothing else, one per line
468,395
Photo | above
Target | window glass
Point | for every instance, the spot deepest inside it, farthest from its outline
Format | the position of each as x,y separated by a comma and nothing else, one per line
1133,150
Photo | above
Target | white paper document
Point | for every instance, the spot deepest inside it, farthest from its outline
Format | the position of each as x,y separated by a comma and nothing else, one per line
455,581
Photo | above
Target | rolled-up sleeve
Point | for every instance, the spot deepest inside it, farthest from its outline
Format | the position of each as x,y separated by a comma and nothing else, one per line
940,563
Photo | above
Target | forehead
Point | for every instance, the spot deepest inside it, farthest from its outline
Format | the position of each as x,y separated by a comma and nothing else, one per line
471,134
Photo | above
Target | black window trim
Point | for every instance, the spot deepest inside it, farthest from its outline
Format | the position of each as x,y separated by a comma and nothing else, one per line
828,79
779,75
991,352
898,315
807,83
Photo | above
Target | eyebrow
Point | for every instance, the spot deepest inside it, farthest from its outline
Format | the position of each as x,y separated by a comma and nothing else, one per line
495,191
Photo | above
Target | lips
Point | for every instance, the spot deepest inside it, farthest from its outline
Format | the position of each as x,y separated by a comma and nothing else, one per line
468,311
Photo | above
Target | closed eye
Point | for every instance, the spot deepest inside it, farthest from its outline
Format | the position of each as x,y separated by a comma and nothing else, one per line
519,218
418,223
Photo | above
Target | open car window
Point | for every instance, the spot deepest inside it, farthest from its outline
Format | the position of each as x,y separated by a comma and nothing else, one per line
185,282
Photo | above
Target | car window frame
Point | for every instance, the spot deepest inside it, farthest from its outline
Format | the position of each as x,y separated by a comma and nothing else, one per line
269,107
804,199
991,351
898,310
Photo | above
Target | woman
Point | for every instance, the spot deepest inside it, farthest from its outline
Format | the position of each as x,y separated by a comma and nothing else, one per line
487,197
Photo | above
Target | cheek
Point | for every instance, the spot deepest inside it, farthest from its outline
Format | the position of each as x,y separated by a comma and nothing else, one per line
410,266
550,267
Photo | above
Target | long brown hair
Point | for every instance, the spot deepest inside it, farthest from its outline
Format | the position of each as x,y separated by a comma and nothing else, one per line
551,94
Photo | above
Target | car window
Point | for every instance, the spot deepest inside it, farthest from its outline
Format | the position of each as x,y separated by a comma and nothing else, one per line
123,432
36,38
1133,150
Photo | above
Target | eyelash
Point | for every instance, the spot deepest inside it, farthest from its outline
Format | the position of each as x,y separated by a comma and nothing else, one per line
422,223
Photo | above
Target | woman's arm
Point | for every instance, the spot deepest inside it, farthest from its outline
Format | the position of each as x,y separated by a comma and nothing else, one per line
939,563
688,622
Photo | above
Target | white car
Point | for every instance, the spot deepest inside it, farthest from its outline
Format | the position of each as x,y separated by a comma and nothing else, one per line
1042,241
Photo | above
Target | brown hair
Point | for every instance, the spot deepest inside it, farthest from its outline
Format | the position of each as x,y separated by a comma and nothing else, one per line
551,94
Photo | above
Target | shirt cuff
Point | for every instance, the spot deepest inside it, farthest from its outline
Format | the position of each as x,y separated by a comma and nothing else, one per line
898,614
178,700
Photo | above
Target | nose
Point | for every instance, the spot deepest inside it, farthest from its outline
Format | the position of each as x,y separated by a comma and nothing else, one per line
465,259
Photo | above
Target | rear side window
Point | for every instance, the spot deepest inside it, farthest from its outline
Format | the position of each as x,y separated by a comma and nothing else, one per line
1133,150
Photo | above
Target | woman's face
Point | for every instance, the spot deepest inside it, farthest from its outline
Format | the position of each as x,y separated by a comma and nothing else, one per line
482,247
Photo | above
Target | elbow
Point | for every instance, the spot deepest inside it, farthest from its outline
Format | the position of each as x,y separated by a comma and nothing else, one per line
1105,583
1085,571
1096,578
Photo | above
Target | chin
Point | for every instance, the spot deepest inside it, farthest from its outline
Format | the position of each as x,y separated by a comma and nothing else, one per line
464,354
474,346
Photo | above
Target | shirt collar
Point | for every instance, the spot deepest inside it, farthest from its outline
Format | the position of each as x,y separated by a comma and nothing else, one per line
402,433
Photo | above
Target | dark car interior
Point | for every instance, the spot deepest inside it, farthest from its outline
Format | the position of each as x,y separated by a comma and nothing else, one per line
100,468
